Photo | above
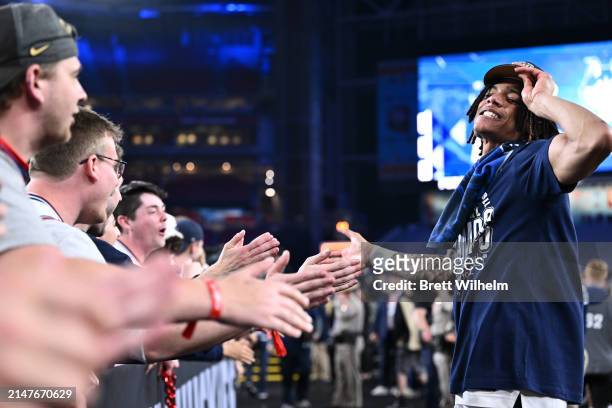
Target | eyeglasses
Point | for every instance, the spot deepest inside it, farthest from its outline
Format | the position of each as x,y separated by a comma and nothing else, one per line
119,165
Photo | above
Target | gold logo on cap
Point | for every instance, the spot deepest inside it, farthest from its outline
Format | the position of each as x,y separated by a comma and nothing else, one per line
36,51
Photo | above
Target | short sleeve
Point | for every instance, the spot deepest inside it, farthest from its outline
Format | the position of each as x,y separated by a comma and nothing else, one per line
23,225
535,173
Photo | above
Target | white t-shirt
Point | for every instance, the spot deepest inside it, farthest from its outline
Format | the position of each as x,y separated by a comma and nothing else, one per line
74,243
71,241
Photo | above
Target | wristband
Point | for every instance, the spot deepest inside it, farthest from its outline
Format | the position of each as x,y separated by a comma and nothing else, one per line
215,307
215,299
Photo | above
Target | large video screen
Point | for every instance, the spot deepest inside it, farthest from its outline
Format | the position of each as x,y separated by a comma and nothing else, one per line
448,84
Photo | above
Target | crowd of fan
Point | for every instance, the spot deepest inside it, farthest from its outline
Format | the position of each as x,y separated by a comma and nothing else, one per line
79,296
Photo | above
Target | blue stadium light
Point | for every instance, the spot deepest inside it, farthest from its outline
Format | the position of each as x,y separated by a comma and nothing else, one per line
86,54
185,38
209,8
227,8
147,14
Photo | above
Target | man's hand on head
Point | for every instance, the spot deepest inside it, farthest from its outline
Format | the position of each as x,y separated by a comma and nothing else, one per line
536,83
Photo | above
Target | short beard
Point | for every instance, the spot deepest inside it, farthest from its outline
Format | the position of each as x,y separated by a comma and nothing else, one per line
55,132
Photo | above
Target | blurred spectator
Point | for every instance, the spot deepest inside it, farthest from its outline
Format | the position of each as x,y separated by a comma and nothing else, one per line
443,333
192,247
259,388
598,342
180,246
383,333
297,361
408,349
347,333
321,365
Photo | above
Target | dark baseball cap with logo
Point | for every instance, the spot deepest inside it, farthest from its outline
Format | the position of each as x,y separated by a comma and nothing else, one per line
32,34
506,73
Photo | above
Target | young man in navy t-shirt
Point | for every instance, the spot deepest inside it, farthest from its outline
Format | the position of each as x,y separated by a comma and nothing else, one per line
529,348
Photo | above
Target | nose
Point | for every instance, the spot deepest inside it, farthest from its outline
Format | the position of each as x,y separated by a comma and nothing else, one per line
494,99
82,93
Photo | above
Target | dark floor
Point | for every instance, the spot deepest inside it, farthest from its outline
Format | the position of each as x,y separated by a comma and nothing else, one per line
320,397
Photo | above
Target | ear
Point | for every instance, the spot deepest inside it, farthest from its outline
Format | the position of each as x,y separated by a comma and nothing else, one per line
91,168
35,85
124,222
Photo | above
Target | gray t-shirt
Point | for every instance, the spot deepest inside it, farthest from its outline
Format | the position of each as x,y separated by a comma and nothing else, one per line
23,225
71,241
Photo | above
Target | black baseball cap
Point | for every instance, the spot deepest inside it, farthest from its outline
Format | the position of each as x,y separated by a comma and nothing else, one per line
32,34
505,73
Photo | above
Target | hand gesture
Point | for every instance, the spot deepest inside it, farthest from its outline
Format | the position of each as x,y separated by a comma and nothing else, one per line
236,255
535,84
239,350
274,305
354,251
312,280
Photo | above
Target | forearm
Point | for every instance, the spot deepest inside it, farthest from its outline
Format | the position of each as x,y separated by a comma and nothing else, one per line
412,267
191,302
218,269
580,125
170,343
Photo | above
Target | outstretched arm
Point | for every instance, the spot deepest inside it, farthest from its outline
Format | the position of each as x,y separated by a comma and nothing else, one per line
374,256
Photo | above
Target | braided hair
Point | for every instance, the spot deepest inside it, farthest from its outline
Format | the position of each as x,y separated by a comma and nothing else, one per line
530,126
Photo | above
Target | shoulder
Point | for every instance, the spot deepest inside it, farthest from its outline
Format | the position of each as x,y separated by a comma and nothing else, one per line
22,222
531,148
526,154
74,243
12,186
6,164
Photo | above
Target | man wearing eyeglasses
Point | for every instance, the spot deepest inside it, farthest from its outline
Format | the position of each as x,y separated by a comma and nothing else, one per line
78,188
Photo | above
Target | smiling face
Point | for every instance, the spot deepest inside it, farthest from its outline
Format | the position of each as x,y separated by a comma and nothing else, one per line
497,114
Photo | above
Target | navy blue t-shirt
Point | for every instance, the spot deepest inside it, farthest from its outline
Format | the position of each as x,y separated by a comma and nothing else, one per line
534,346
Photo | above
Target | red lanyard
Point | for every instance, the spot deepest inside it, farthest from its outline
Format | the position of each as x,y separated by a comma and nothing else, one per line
19,161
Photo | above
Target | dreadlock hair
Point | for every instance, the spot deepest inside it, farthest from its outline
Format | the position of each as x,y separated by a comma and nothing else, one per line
530,126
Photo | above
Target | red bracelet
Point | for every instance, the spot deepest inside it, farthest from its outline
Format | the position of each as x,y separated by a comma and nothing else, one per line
215,306
215,299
